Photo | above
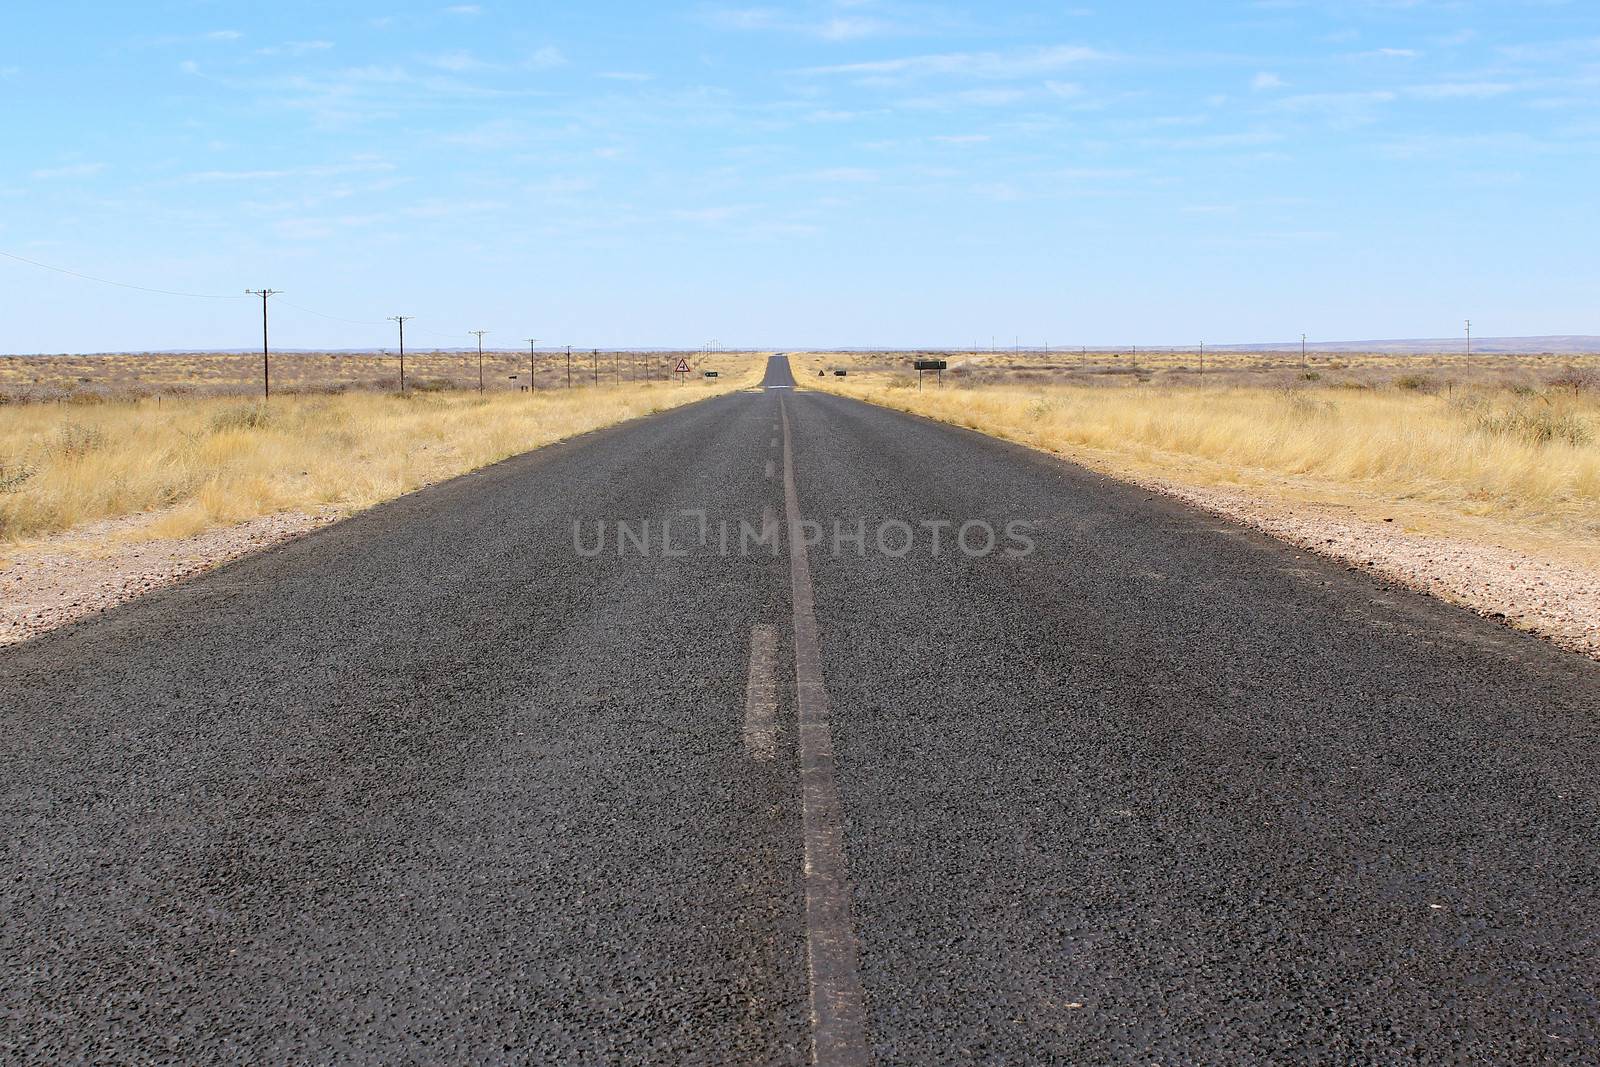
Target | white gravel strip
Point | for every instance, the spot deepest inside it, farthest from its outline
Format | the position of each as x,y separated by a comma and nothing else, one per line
1557,601
86,571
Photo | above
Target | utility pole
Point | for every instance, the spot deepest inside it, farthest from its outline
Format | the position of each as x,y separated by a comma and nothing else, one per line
569,366
597,366
1469,337
531,342
266,374
1303,360
479,334
1202,359
402,320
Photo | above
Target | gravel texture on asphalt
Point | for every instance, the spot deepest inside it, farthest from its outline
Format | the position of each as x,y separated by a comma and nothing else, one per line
1170,791
430,785
425,786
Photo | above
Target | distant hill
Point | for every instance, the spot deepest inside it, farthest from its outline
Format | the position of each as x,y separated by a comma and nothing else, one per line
1557,344
1554,344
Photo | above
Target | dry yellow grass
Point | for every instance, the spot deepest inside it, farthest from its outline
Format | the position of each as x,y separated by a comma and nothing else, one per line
1522,466
130,375
204,462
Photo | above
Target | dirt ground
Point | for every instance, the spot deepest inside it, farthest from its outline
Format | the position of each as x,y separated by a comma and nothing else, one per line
1438,372
47,378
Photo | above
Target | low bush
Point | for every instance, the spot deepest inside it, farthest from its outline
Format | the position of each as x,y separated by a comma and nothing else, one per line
75,439
241,417
12,475
1536,426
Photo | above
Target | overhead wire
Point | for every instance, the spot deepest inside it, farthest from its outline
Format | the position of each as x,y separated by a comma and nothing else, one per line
279,302
120,285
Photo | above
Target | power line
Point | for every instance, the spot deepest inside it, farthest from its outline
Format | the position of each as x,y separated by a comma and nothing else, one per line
331,318
119,285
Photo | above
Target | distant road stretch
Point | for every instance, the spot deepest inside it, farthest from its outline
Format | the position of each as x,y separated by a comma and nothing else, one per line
902,745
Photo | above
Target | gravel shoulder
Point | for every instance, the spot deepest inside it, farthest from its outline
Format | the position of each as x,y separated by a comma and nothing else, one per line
1554,599
86,571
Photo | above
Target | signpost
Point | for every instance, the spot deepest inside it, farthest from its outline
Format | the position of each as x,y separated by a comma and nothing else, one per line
935,365
681,368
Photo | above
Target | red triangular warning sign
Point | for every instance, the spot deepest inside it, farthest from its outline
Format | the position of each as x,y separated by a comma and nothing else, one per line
682,367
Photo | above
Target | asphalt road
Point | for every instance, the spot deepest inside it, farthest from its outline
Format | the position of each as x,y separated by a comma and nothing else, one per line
438,785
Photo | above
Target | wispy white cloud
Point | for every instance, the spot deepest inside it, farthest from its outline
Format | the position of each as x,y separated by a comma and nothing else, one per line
445,209
352,95
457,61
464,10
316,170
547,58
295,48
838,25
625,75
71,170
170,40
1207,142
988,97
722,213
1001,192
832,115
1028,63
1266,81
1461,90
494,134
1346,107
842,174
560,186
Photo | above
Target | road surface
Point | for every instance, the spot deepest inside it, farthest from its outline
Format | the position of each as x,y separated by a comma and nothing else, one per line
454,782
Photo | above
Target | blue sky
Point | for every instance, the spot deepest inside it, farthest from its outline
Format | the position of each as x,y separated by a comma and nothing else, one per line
830,172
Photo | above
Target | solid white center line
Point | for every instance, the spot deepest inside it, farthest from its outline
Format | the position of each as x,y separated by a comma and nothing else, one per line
838,1006
761,696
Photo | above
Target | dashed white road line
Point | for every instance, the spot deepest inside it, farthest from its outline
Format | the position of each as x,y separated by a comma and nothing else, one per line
838,1006
761,696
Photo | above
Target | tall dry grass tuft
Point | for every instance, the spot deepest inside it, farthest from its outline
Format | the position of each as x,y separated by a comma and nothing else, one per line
208,462
1527,459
